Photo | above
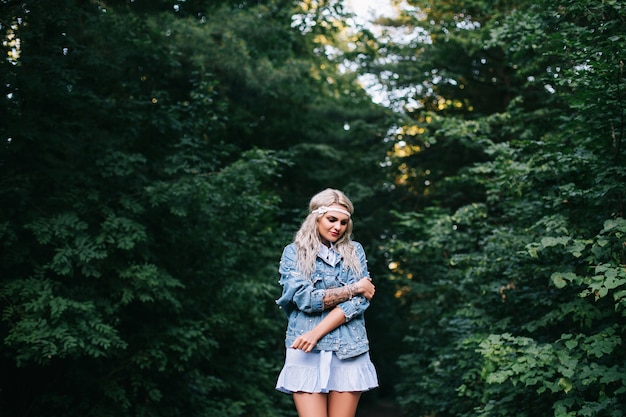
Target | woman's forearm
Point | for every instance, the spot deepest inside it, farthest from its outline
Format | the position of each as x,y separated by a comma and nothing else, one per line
335,296
307,341
333,319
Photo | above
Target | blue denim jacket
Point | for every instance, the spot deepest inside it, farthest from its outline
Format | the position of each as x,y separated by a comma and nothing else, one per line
302,301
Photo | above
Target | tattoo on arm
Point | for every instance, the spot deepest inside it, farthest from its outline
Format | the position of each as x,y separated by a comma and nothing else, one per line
336,296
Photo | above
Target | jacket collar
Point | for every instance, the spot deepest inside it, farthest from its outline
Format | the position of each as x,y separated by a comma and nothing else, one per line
329,255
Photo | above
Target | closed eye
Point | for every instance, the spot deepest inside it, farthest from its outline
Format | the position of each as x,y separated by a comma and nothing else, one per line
333,219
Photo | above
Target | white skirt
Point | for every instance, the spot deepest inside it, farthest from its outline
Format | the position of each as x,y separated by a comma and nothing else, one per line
323,371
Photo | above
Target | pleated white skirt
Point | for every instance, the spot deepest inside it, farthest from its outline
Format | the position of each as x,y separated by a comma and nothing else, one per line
323,371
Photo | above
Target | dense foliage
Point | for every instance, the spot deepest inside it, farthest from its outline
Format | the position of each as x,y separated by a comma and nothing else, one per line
124,263
142,150
513,264
156,156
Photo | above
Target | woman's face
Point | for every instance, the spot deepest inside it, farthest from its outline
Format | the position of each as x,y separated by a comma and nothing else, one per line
332,225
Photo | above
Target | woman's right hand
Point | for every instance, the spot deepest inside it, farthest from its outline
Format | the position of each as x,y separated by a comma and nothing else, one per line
366,288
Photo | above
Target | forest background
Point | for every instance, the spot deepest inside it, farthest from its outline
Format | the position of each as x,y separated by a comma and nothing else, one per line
157,155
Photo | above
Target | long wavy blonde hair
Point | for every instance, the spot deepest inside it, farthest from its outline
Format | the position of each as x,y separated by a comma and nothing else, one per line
308,239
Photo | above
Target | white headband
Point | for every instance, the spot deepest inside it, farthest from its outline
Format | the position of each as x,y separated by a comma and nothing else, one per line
324,209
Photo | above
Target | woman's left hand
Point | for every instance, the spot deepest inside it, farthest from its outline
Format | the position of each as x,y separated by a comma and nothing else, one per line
305,342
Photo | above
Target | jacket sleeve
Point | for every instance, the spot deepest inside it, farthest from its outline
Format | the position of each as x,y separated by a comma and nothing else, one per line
298,291
357,304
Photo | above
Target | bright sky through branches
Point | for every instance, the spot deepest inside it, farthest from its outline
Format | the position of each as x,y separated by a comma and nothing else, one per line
368,10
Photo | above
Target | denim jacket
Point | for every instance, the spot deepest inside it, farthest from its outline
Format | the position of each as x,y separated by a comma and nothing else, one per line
302,300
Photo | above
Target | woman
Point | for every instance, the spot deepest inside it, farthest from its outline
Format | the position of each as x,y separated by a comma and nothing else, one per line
326,290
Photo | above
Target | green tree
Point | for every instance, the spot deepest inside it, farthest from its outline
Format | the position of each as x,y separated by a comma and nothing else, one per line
151,152
137,238
516,296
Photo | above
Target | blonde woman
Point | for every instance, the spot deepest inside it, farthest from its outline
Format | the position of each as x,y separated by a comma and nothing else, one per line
326,290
